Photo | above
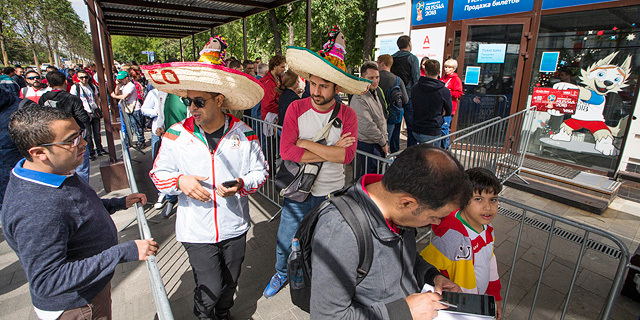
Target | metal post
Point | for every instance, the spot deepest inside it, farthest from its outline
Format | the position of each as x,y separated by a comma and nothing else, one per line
308,24
181,49
193,42
97,54
244,37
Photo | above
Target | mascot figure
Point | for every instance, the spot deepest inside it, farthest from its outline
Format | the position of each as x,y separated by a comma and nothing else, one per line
601,78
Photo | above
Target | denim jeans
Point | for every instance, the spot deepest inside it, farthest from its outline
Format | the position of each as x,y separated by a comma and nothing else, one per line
370,164
83,169
394,137
444,143
408,119
292,214
137,124
422,138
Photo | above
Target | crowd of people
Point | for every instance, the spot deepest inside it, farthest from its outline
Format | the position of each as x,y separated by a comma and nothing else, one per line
207,161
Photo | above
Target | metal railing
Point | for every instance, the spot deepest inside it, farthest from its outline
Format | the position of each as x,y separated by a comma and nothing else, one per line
473,109
163,308
581,237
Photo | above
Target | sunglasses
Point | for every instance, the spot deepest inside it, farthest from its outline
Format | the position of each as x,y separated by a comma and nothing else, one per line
198,102
34,78
85,77
74,143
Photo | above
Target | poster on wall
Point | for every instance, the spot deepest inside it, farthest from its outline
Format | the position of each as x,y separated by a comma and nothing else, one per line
472,76
549,61
563,101
470,9
491,52
388,46
428,43
429,11
553,4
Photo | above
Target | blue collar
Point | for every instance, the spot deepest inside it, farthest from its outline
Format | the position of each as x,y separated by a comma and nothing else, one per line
43,178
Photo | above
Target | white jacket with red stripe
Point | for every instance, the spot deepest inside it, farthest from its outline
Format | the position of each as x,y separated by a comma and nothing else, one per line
184,151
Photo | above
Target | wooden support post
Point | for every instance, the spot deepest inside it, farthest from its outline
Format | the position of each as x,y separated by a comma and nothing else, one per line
244,37
308,24
193,42
181,50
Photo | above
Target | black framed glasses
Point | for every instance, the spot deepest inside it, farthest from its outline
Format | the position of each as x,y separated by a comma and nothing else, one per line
74,143
198,102
34,78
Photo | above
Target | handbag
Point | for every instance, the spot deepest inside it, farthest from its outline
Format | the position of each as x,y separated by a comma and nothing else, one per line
294,180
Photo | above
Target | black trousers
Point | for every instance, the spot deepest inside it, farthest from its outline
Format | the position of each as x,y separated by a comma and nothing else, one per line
93,135
216,269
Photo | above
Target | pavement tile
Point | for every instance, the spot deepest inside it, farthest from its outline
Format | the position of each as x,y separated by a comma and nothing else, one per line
535,255
516,294
558,277
546,304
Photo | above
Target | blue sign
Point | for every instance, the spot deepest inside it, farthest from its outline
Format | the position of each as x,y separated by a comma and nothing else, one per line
549,62
470,9
429,11
553,4
472,76
491,52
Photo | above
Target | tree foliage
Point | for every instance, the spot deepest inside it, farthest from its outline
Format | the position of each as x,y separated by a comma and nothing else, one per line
34,31
351,16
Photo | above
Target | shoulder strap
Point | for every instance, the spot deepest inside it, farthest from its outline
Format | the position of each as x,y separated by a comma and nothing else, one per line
324,132
24,92
77,89
397,81
355,217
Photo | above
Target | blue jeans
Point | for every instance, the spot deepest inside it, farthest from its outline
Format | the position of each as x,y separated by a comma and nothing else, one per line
444,143
137,124
422,138
408,119
83,169
292,214
394,137
370,164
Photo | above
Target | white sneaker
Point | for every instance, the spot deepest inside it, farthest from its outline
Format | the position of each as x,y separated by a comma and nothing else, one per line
160,203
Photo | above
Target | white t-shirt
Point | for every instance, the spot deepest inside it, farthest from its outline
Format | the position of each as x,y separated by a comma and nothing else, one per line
86,95
130,90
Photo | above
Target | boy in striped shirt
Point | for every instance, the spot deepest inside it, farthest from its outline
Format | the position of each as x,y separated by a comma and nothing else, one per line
462,246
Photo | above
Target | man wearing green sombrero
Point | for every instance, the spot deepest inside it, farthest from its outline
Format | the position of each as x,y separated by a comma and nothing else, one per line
212,161
303,120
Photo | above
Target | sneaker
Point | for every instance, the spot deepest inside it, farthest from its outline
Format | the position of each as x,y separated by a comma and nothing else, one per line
160,203
93,157
102,152
276,283
167,211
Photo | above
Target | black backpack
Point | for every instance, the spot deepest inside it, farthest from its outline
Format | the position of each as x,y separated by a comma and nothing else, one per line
354,215
395,106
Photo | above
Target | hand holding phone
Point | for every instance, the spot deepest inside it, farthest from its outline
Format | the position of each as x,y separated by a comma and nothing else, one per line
230,183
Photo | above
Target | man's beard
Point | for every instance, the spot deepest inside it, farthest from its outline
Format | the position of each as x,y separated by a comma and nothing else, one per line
323,101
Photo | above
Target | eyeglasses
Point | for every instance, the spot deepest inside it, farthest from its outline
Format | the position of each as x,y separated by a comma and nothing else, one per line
198,102
74,143
34,78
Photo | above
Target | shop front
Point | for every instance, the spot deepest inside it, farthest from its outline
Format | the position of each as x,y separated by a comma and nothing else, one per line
512,53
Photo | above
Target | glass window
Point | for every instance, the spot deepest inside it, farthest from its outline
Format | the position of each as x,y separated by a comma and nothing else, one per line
599,55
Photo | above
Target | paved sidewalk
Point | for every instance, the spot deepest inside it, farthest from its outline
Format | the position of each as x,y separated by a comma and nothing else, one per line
132,298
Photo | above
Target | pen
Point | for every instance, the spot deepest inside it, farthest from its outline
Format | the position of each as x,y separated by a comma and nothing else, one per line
448,304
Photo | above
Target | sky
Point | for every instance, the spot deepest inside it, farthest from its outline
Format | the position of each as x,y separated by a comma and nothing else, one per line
81,9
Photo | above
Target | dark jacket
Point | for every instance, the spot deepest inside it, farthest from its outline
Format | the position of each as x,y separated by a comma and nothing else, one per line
397,270
64,237
69,103
9,154
431,101
20,81
407,67
285,100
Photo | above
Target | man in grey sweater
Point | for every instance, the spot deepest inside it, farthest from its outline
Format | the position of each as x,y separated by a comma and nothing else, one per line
422,186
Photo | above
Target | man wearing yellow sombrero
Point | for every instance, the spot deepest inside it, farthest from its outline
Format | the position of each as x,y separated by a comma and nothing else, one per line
302,122
212,161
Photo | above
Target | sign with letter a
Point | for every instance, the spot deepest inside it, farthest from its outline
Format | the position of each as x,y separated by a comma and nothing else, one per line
428,43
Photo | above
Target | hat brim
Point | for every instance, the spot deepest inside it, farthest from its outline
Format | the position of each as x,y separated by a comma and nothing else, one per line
305,63
240,91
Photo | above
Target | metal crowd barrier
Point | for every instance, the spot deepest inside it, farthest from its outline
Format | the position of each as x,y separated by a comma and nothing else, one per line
574,233
163,308
473,109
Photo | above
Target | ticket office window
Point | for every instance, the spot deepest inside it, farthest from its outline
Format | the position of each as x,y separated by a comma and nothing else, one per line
598,54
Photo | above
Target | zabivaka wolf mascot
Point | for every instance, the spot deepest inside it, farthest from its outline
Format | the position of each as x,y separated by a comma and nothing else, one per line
601,78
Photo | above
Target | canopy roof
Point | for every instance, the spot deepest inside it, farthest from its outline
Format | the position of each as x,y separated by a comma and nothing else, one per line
177,18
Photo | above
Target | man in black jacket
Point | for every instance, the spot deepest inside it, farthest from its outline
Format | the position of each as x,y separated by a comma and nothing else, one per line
59,98
431,101
407,67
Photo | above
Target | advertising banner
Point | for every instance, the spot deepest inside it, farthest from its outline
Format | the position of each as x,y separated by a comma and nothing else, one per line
429,11
470,9
553,4
428,43
564,101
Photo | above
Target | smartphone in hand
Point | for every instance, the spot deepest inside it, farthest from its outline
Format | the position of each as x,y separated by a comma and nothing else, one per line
230,183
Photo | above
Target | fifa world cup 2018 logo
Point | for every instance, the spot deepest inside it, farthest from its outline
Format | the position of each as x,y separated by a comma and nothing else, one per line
419,7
